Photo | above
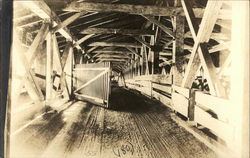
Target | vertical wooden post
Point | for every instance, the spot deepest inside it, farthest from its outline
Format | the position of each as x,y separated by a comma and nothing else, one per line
70,69
239,93
142,61
156,63
49,67
146,60
178,49
152,41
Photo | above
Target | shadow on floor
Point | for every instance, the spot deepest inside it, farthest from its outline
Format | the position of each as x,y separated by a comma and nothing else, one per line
132,101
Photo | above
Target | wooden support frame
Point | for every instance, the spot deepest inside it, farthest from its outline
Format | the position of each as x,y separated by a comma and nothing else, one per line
60,65
43,11
29,81
200,36
29,75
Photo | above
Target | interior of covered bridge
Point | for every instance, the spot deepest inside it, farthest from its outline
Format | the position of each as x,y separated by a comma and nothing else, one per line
125,78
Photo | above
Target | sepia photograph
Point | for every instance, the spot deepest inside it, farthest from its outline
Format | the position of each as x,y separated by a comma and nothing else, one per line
126,79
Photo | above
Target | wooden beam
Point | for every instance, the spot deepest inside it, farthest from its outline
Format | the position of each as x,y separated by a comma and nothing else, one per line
114,44
29,80
239,70
69,67
168,44
178,49
124,8
215,36
98,21
112,52
219,47
167,62
133,51
39,39
202,36
146,59
160,25
143,42
83,39
111,59
117,31
66,22
60,65
166,53
43,10
49,69
112,56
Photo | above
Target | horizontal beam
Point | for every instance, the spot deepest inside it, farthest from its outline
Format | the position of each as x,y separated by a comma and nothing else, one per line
118,31
113,56
166,53
124,8
114,44
111,59
112,52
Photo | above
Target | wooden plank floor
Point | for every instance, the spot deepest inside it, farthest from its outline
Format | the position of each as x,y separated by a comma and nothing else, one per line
137,127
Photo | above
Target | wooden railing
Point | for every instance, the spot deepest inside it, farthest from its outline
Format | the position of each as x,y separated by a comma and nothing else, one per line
155,86
199,108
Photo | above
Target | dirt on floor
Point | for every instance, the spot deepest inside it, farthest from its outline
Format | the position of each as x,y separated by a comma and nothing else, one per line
135,127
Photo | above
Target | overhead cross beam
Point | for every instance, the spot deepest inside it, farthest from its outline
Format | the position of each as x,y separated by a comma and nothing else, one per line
117,31
112,52
136,9
125,8
114,44
111,59
112,56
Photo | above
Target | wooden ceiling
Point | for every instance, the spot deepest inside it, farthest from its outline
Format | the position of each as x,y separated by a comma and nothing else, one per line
109,30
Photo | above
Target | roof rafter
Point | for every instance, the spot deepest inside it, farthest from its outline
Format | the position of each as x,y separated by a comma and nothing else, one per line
43,11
